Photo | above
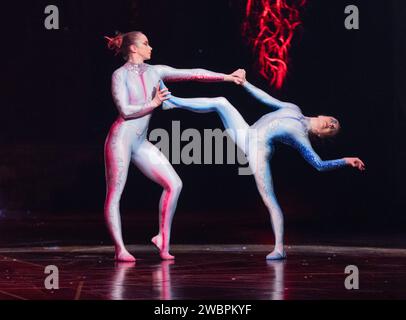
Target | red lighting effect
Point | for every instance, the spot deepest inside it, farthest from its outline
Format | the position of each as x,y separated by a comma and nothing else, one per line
269,26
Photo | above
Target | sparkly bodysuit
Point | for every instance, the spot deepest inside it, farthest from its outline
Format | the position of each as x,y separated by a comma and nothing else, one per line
287,125
133,88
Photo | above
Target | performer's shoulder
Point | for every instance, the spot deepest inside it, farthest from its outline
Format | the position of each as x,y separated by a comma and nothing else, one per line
158,67
119,72
152,67
293,107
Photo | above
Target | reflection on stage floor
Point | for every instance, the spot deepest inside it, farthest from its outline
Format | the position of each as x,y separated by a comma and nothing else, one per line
203,272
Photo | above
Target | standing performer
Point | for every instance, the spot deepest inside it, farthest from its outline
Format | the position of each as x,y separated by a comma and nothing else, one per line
287,125
136,93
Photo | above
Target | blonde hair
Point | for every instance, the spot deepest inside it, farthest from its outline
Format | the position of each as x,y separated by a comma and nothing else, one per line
121,43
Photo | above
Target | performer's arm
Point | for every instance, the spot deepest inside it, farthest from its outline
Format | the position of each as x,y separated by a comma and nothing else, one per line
171,74
302,144
266,99
120,96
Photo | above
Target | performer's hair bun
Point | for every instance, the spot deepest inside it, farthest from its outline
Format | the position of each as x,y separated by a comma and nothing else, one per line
122,42
115,43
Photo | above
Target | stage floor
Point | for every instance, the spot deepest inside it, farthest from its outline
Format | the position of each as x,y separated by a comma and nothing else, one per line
215,272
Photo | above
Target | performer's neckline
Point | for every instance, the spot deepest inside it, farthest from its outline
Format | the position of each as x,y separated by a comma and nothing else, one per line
304,121
136,67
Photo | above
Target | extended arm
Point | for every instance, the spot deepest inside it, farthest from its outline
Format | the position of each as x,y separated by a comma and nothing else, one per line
171,74
303,145
265,98
120,96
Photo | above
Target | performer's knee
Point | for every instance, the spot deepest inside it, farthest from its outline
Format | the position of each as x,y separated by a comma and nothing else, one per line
176,185
220,101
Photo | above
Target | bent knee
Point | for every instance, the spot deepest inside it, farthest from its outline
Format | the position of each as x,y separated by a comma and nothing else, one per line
176,185
222,101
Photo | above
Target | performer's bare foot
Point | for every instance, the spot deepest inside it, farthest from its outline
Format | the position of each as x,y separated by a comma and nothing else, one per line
276,255
157,241
123,255
166,256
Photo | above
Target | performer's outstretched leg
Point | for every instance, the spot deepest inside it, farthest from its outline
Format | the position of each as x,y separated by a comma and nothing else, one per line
117,159
231,118
156,166
258,154
259,158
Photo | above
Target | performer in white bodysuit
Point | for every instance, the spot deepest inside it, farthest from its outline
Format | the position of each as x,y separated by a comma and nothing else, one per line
286,125
136,93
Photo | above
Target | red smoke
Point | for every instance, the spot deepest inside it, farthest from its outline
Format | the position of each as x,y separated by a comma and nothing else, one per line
269,26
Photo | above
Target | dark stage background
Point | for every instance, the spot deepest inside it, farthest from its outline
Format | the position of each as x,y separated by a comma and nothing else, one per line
56,110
